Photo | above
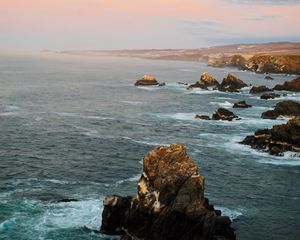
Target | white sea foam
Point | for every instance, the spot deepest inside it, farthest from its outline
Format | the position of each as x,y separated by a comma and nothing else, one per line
178,116
71,215
187,70
149,88
8,114
231,213
12,108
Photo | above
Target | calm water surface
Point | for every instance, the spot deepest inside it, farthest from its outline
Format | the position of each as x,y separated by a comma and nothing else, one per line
76,127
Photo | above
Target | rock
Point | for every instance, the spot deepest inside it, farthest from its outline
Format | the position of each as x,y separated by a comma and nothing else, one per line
269,96
268,77
279,139
285,108
170,203
293,86
224,114
162,84
147,80
241,104
182,83
203,117
231,84
260,89
206,80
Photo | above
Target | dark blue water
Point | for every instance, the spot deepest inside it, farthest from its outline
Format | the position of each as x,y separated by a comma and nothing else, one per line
76,127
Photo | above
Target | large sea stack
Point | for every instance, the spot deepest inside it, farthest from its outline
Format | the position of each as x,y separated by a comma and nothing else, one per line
170,203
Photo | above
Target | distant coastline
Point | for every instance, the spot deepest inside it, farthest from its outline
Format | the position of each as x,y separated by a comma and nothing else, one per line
276,57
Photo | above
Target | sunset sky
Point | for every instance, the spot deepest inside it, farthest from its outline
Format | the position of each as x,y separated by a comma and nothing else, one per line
127,24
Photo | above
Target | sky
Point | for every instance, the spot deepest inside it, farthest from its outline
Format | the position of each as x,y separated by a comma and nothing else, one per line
144,24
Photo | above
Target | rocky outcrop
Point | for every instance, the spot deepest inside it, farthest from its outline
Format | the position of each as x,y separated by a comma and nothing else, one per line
223,114
293,86
241,104
279,139
286,108
147,80
288,64
231,84
206,80
260,89
267,96
170,203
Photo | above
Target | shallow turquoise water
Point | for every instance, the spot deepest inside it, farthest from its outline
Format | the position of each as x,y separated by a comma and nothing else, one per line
76,127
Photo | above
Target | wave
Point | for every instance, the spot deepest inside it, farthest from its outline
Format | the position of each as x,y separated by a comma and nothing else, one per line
132,102
7,224
146,142
187,70
150,88
77,115
231,213
134,178
177,116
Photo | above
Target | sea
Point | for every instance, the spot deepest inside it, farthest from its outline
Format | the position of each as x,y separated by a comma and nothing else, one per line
76,127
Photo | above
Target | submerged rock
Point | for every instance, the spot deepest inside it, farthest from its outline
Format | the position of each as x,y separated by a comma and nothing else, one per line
279,139
269,96
206,80
203,117
268,77
224,114
260,89
293,86
231,84
147,80
170,203
286,108
241,104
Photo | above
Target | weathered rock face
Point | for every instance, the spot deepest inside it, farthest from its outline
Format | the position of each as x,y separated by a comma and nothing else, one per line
260,89
231,84
206,80
224,114
293,86
286,108
170,203
269,96
146,80
260,63
280,138
241,104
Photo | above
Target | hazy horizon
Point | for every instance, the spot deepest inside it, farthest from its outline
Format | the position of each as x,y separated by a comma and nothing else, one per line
98,24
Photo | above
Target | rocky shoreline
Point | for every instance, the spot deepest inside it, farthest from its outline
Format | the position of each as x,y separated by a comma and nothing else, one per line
170,203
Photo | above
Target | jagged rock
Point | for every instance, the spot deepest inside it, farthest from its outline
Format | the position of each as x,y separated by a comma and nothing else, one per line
268,77
280,138
241,104
231,84
147,80
170,203
206,80
260,89
162,84
269,96
293,86
203,117
224,114
285,108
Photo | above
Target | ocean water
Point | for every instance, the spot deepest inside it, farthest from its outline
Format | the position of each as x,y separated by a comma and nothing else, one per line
76,127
